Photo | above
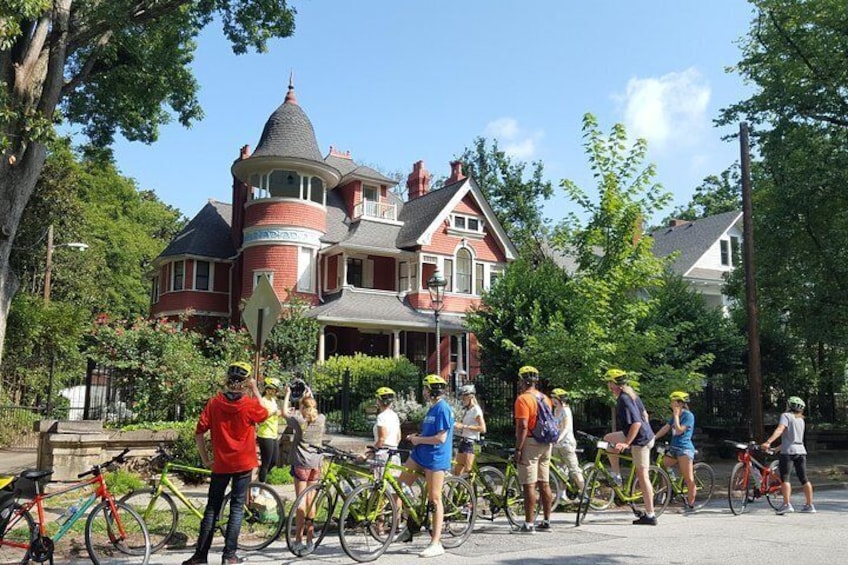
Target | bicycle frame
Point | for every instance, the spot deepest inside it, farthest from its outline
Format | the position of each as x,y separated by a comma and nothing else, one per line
626,486
165,482
744,456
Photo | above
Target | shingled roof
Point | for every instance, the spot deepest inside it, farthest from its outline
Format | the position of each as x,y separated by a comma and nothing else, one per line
208,234
418,214
378,308
288,133
349,169
692,239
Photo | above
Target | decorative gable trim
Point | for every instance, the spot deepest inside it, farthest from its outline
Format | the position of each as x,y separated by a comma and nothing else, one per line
469,186
723,234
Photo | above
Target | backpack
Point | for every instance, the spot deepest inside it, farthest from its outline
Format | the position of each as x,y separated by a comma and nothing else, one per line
546,429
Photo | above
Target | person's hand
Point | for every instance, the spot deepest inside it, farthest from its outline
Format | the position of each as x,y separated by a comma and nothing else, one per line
765,446
307,393
459,426
517,456
412,438
676,410
619,447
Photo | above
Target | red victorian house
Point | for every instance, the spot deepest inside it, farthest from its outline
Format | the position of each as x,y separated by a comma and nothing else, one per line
334,233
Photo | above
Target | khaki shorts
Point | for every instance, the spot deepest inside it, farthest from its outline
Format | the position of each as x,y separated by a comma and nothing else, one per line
642,454
569,456
535,462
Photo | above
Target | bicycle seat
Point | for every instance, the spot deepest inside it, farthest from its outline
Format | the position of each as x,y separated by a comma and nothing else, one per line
35,474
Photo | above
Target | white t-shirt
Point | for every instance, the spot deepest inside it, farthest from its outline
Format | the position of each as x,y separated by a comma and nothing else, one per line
389,420
565,421
469,418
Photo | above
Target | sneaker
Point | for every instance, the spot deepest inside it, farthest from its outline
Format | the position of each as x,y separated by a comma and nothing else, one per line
617,480
543,526
299,548
233,560
785,509
405,536
645,520
525,529
310,547
195,560
432,550
808,509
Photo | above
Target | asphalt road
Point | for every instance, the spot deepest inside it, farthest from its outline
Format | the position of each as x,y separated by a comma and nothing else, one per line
710,536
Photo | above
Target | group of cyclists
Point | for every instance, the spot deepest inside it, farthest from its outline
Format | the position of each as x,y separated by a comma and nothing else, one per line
544,425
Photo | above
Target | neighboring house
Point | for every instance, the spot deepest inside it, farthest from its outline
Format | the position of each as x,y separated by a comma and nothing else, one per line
706,250
333,232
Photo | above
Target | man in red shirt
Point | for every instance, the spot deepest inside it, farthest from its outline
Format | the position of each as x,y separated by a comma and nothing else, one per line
230,417
533,458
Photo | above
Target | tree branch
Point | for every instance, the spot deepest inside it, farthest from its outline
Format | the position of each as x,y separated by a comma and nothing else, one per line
58,42
93,58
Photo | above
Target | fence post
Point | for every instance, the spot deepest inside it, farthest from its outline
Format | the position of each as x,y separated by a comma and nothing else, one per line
345,401
89,371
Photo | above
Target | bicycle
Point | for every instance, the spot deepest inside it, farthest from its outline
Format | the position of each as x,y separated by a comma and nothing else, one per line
114,532
370,516
496,491
263,515
563,487
751,479
341,475
601,486
704,480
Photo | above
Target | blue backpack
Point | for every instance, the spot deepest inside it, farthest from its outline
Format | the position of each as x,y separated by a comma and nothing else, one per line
546,429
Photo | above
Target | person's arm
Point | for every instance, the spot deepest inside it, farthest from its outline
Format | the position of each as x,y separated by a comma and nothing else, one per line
437,439
382,434
287,402
778,431
675,422
254,390
662,431
633,430
563,426
200,440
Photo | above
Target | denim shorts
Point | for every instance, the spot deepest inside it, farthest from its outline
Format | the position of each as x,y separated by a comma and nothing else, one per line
466,446
681,452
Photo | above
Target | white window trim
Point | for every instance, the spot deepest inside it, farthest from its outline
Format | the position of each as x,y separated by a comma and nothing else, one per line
722,243
174,276
211,276
479,233
155,291
311,268
258,273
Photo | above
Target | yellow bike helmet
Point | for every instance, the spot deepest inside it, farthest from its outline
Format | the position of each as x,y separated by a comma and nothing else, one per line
617,376
272,382
680,396
385,395
239,371
528,373
560,393
435,383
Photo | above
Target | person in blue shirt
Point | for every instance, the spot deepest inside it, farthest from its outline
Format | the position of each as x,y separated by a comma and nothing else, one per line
432,456
682,450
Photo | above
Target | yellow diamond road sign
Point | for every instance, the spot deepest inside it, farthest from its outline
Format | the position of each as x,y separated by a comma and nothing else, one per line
261,311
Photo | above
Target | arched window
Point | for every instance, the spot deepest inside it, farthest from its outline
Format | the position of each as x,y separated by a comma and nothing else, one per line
463,271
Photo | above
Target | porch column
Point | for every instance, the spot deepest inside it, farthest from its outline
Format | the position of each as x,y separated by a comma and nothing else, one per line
321,344
396,347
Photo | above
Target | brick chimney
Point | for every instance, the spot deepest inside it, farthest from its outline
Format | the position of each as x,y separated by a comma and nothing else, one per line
456,172
418,181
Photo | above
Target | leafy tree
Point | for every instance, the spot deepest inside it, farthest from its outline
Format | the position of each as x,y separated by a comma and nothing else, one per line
516,200
715,195
122,65
294,340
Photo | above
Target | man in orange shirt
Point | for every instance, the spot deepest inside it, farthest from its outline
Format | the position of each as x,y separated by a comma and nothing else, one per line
230,417
533,458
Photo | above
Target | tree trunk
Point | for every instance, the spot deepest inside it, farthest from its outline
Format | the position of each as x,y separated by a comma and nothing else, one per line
17,181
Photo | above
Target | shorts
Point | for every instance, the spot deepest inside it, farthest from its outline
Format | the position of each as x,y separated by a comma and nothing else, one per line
567,453
305,474
800,463
535,463
466,446
642,454
681,452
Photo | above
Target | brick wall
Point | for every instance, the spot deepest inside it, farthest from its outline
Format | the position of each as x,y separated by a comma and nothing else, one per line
290,213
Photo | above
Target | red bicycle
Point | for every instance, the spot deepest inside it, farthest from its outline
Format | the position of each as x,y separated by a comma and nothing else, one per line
752,479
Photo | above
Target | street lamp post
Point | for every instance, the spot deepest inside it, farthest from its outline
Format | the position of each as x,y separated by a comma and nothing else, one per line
48,265
436,285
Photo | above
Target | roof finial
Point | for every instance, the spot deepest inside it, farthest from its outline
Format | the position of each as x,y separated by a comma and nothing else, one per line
290,97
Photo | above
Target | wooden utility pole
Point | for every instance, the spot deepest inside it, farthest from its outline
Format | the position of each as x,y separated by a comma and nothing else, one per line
755,376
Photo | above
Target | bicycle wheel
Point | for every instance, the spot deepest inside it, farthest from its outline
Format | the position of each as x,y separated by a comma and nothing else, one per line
596,487
774,496
704,483
368,522
557,489
488,487
740,489
460,511
17,530
264,516
116,535
660,484
159,513
513,500
318,502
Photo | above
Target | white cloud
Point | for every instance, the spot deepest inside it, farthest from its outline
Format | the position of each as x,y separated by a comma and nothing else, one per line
512,139
671,109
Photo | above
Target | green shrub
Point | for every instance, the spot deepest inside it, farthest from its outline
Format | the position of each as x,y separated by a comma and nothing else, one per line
279,476
120,481
184,449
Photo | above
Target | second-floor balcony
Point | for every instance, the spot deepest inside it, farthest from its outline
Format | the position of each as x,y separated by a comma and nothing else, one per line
372,209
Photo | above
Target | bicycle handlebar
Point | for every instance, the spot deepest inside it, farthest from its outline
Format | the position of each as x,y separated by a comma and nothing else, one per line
96,469
750,446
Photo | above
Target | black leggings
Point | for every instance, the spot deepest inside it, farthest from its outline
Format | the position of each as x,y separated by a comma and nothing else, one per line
800,462
269,449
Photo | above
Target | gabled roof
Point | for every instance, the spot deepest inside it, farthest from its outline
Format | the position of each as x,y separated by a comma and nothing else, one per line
692,239
421,221
350,170
380,309
208,234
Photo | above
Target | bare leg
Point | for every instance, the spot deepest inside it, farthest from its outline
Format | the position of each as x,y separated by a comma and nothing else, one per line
547,498
687,469
435,482
808,493
612,439
530,502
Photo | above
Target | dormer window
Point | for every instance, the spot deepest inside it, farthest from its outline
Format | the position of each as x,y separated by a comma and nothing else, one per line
284,183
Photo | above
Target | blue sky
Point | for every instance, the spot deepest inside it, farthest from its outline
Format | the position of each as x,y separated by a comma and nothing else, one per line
395,82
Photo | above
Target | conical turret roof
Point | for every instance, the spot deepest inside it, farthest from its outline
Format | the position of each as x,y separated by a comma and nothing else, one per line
289,133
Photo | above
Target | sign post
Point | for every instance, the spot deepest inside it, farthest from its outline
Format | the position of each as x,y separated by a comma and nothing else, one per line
260,315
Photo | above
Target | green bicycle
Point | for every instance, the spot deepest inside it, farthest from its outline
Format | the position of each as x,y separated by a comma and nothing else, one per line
263,514
320,502
370,515
600,485
704,480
